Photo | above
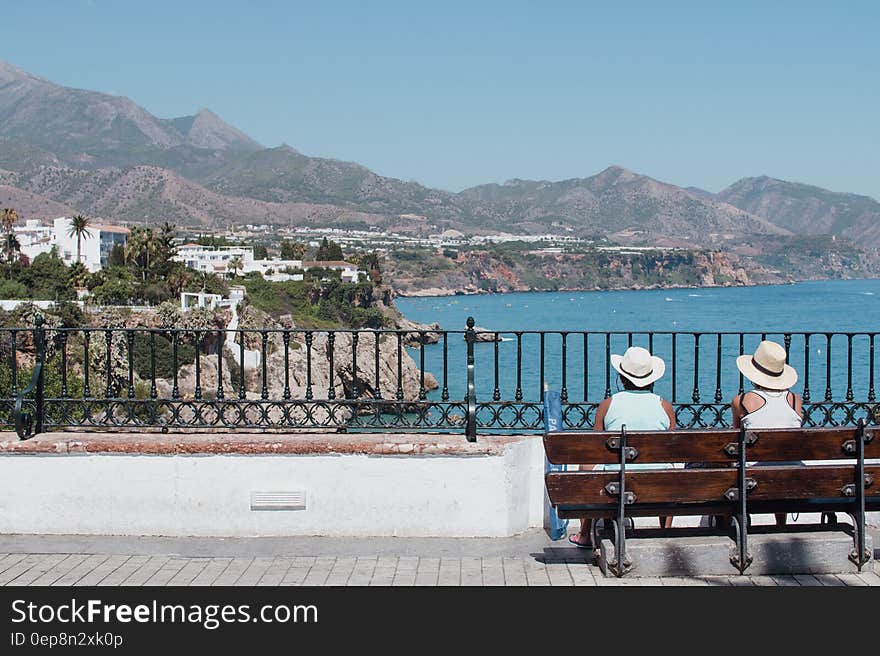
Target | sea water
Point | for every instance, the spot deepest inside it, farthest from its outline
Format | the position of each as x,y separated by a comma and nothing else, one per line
820,307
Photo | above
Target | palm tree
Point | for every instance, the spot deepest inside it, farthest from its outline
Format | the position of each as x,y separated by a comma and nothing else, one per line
78,275
79,226
139,247
234,265
9,216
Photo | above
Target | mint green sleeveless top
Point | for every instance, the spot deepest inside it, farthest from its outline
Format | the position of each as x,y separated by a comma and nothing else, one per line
639,410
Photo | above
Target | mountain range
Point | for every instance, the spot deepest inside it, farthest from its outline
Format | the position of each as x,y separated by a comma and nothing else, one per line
68,150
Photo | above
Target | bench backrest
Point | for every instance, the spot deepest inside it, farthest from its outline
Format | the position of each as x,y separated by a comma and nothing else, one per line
709,446
717,451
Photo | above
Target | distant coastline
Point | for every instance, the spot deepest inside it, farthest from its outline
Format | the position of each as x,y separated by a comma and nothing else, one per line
442,292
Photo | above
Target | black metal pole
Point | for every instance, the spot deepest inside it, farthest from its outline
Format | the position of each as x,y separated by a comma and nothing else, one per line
471,422
39,340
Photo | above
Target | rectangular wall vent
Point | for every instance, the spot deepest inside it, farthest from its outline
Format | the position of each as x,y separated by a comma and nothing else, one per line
278,500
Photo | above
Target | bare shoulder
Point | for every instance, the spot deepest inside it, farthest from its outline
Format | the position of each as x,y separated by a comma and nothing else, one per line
750,401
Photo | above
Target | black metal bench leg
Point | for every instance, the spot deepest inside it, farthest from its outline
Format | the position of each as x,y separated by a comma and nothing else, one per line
622,564
860,554
741,559
858,543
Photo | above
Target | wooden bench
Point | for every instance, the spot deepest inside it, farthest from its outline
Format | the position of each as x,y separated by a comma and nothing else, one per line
726,482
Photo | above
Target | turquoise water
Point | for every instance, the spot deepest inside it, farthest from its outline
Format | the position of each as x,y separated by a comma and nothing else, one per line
823,306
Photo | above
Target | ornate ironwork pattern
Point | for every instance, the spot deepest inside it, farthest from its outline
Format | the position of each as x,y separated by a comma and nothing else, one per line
366,380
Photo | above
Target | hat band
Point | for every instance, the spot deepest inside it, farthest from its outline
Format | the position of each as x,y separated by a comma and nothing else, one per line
765,370
636,375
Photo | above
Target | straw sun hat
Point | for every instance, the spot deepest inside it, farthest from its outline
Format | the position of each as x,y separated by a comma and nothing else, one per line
638,366
767,368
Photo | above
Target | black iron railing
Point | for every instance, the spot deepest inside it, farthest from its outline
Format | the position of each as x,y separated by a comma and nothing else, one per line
368,380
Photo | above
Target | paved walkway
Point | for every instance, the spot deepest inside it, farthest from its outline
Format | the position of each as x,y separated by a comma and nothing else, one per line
529,559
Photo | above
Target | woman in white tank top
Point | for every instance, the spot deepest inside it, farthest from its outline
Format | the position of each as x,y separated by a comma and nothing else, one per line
771,404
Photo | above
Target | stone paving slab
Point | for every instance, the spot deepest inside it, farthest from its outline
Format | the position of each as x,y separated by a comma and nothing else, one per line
527,560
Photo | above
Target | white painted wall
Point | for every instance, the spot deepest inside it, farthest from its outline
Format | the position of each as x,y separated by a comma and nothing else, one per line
347,495
90,246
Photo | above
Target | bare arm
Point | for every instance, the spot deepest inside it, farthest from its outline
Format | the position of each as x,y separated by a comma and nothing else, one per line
667,406
737,410
794,400
601,411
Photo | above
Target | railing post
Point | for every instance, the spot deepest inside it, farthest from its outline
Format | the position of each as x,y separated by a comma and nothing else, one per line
40,344
471,423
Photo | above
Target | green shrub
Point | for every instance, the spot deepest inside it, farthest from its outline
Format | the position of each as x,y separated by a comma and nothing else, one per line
186,354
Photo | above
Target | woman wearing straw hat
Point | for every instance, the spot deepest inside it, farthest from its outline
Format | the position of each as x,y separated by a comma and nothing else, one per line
771,404
636,406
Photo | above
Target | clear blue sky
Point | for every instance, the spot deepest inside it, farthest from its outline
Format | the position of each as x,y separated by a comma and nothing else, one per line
456,94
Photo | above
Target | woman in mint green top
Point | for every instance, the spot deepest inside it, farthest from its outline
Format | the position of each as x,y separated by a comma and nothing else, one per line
639,409
636,406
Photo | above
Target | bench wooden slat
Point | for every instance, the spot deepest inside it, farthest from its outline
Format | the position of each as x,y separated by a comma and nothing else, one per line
706,485
811,444
571,447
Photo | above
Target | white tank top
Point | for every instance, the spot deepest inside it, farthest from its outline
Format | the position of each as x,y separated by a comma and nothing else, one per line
775,413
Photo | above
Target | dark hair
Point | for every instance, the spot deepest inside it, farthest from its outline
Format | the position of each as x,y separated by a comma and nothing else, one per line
629,385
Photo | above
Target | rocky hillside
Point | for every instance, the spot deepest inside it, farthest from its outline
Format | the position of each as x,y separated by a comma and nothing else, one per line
615,202
105,156
508,269
285,175
498,270
808,210
89,129
154,194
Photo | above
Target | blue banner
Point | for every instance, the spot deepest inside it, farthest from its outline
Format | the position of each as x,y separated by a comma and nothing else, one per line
553,422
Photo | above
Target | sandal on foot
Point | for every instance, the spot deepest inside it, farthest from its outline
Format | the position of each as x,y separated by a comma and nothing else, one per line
573,538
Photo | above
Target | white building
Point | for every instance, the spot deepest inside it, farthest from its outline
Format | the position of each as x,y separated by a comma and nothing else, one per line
275,269
95,245
349,272
210,259
99,239
33,238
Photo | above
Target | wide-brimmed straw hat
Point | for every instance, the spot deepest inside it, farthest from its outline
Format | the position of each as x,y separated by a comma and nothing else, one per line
638,366
767,368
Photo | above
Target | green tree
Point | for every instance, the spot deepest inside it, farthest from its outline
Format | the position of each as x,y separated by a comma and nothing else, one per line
48,278
261,252
292,250
116,256
370,262
11,248
8,217
329,250
113,286
13,289
165,249
79,227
